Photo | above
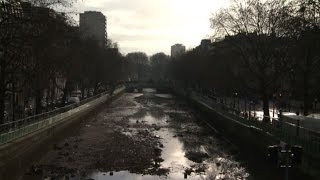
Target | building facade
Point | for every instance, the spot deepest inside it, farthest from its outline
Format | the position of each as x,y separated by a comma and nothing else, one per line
177,50
93,26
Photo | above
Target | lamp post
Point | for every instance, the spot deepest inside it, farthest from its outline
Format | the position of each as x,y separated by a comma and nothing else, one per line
315,104
250,108
245,106
234,100
280,98
238,98
254,110
273,107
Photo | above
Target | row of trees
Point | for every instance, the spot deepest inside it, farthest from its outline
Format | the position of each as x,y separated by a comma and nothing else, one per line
144,68
42,53
269,47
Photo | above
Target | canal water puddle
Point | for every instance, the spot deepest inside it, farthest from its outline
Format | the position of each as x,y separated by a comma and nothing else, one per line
173,155
178,147
166,96
149,119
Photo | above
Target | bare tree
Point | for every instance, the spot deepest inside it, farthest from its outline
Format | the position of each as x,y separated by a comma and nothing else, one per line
138,64
51,3
303,27
159,63
254,28
14,50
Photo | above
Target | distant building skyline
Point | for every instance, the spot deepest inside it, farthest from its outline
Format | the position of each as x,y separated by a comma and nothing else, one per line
153,26
93,25
177,50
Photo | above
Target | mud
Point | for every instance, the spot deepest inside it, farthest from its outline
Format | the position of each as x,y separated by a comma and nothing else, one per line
141,136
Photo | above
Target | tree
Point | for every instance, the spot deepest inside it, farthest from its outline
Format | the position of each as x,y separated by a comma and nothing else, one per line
14,50
253,27
138,65
48,45
303,28
51,3
159,63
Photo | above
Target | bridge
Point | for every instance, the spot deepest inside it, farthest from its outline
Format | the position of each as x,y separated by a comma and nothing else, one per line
152,130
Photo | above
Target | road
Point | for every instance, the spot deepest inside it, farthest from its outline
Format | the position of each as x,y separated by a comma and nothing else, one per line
144,136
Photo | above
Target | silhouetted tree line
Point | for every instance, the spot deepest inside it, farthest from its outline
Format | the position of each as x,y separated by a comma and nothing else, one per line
43,57
263,49
159,66
138,66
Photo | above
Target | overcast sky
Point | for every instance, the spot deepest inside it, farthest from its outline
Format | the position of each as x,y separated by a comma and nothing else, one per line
154,25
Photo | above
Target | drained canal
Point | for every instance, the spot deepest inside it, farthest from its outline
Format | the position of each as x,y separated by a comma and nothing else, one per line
147,136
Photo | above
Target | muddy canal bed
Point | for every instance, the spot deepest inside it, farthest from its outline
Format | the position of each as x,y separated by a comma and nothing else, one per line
141,136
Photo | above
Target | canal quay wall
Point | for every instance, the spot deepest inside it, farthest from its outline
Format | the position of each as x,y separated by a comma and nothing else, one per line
23,140
251,136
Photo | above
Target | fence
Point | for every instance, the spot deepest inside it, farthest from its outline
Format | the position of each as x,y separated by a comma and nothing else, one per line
290,133
16,129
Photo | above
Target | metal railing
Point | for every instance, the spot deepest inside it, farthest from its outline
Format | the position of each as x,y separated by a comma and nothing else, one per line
16,129
288,132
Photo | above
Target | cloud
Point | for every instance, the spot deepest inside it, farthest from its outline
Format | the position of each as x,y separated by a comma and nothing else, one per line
154,25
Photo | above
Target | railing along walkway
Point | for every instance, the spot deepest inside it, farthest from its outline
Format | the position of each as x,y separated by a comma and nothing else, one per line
288,132
16,129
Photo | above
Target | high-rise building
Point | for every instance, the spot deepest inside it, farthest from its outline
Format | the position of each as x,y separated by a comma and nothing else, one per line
177,50
205,43
93,26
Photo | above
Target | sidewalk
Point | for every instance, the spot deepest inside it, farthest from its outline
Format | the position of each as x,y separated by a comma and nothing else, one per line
311,121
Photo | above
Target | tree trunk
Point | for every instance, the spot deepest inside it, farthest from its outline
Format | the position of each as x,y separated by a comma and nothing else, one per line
13,101
65,93
82,90
266,112
96,86
2,90
305,94
265,103
38,101
2,106
47,100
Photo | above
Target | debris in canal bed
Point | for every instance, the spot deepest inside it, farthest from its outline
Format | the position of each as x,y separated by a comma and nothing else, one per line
134,143
157,128
197,157
200,168
157,136
180,135
188,171
161,145
220,176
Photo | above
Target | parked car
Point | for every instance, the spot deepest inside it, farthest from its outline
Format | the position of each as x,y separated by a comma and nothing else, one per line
73,99
77,93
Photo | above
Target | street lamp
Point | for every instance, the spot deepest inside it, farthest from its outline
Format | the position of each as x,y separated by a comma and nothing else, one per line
315,104
273,107
238,98
245,106
234,100
250,108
